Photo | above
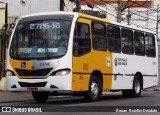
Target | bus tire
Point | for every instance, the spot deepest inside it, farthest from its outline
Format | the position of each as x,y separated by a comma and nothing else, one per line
126,93
136,90
94,92
40,96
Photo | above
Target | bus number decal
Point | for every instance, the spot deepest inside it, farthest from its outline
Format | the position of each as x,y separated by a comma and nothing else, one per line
44,64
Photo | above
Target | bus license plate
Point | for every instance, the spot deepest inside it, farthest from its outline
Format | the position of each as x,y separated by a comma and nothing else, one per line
32,89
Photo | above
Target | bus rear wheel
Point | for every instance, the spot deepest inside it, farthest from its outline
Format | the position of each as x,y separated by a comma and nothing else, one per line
136,90
40,96
94,92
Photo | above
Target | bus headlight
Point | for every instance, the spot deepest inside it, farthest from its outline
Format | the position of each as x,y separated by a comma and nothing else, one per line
61,72
9,73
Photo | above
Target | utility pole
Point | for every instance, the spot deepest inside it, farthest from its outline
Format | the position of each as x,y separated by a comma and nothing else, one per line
5,40
147,18
119,17
61,5
158,20
129,14
78,6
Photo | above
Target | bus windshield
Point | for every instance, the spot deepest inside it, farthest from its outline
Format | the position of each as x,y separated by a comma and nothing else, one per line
39,39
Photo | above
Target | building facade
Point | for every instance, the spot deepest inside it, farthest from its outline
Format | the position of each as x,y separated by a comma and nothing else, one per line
18,8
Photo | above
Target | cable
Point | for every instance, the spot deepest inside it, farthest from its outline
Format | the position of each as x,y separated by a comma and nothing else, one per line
151,9
131,23
137,10
126,21
128,5
131,5
132,13
141,26
143,16
141,5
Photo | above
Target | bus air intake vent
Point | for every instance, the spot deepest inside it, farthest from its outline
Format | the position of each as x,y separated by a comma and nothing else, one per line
40,72
39,84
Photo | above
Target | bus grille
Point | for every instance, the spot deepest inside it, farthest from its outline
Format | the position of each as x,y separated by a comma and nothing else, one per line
40,72
40,84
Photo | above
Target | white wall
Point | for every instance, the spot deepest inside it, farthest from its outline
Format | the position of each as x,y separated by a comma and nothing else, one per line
15,8
155,3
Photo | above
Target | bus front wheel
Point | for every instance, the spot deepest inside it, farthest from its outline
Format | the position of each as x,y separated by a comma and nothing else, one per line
40,96
136,90
94,92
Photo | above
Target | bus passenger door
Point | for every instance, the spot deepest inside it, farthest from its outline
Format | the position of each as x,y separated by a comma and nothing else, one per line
81,49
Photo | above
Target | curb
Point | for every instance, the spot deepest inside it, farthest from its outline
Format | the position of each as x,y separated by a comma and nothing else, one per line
3,84
157,88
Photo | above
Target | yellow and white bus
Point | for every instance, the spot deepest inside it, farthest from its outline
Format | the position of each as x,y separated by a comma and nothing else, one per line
53,52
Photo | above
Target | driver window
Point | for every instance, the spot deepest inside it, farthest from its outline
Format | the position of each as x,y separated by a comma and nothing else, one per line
81,42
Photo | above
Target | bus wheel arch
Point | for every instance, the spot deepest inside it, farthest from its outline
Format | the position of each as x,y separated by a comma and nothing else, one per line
95,87
139,74
98,74
137,86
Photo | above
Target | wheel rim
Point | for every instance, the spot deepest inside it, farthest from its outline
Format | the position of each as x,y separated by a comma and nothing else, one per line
137,86
94,89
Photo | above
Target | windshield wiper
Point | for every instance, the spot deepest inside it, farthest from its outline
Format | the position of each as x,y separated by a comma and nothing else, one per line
45,41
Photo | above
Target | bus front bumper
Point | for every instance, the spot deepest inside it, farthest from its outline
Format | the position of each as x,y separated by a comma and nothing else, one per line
52,83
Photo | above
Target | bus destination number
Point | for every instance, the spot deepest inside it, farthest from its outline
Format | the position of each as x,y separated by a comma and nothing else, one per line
54,25
44,64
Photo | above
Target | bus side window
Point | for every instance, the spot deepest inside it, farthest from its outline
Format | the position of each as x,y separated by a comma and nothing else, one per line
127,41
150,45
99,39
139,44
114,39
81,41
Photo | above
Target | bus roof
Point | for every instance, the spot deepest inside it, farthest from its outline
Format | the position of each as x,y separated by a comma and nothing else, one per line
51,13
133,27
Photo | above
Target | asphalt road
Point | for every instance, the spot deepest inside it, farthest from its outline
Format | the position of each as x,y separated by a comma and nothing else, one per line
111,102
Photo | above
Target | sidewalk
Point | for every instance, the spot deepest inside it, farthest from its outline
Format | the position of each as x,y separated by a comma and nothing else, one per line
156,88
7,96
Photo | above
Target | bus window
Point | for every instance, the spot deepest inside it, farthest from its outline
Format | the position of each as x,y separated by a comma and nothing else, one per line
81,43
127,41
150,45
99,36
114,39
139,43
